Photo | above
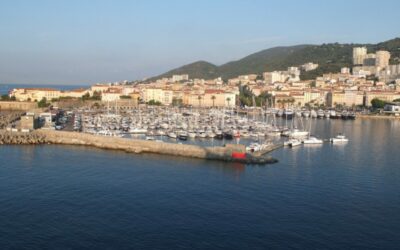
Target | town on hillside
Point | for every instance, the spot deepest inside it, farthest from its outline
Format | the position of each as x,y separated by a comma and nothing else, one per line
371,82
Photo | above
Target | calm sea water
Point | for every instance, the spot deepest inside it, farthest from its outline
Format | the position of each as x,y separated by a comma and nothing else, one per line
330,196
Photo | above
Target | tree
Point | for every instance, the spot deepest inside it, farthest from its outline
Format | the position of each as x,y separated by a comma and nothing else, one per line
96,95
213,100
228,99
154,102
377,103
125,97
279,102
86,96
43,103
5,97
396,100
199,98
96,105
176,101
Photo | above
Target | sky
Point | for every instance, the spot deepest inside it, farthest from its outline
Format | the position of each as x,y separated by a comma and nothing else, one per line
85,42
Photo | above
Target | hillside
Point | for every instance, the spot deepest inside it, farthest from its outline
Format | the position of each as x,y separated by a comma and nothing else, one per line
330,57
199,69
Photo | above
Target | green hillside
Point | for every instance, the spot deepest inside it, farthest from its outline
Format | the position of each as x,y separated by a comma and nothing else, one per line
330,57
199,69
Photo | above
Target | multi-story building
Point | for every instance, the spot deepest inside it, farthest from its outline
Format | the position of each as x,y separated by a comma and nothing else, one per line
273,77
99,88
164,96
345,70
388,96
382,59
75,93
369,60
359,54
178,78
111,94
309,66
210,98
35,94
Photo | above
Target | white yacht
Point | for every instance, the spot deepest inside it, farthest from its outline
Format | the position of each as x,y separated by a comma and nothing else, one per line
313,140
296,133
306,113
191,134
292,142
313,114
172,135
138,131
339,139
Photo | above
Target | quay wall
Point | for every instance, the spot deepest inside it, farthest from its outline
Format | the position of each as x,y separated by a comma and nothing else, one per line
391,117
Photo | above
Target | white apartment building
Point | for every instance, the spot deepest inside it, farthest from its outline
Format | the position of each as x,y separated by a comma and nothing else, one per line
177,78
359,54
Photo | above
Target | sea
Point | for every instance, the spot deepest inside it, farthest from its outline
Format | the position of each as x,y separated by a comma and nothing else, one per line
326,196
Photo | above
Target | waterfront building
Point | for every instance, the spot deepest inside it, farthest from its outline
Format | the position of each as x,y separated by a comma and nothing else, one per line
164,96
210,98
387,96
313,96
392,108
99,88
75,93
35,94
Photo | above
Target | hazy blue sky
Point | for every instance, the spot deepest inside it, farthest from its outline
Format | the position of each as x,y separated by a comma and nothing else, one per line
75,42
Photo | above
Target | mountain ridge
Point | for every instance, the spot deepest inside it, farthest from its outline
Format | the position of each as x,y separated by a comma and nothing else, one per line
330,57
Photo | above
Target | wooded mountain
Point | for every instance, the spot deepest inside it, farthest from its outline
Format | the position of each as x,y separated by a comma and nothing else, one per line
330,57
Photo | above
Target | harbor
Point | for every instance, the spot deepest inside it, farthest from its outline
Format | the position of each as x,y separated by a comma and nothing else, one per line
213,134
205,127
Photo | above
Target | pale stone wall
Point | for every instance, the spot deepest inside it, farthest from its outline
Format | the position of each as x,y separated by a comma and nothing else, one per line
17,106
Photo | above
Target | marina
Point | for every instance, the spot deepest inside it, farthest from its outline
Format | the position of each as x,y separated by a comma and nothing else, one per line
205,127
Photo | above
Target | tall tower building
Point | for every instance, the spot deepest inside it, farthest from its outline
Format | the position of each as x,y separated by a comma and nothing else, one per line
359,54
382,58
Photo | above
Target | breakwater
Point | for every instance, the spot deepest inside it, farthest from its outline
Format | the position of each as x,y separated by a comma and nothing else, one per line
135,146
21,138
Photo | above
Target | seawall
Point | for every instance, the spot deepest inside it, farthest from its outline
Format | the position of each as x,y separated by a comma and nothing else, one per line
133,145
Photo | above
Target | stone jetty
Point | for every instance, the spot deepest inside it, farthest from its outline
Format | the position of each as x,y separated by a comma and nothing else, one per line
134,146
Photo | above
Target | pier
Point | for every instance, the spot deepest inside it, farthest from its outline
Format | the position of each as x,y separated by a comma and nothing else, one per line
226,153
